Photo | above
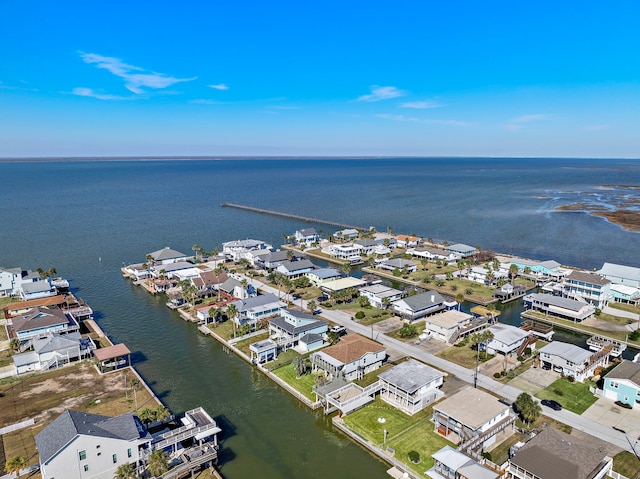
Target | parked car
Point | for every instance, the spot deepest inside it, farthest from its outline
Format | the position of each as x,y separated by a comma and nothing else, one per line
556,406
338,329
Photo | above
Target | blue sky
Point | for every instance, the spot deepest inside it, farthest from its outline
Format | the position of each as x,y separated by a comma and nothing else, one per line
418,78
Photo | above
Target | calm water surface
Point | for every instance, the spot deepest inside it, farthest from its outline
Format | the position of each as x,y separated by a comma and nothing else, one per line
88,218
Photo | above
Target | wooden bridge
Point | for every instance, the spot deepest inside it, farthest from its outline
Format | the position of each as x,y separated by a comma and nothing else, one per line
291,216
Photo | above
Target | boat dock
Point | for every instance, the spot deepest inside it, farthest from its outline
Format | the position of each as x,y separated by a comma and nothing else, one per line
598,343
308,219
543,331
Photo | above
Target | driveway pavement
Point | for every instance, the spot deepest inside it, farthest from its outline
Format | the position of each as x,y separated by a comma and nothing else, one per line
534,380
605,411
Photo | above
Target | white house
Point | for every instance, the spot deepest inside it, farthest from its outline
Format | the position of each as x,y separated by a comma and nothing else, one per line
167,255
53,351
347,252
419,305
252,310
41,322
620,274
293,325
557,306
399,264
571,360
348,233
379,295
295,269
306,236
352,358
446,325
366,246
9,279
593,288
239,249
323,275
506,339
408,241
411,386
448,462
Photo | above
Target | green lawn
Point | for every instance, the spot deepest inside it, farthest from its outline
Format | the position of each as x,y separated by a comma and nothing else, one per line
420,327
573,396
224,330
404,433
372,377
245,343
371,315
627,464
625,307
304,384
463,356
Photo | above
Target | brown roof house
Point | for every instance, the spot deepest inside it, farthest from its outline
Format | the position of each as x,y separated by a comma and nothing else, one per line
552,454
353,357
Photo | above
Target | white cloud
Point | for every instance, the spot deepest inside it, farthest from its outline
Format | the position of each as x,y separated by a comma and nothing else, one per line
382,93
136,78
88,92
596,127
421,105
219,86
426,121
529,118
202,101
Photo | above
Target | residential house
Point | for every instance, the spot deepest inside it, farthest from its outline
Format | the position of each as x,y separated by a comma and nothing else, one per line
380,296
295,269
399,264
461,249
446,325
539,268
240,249
434,254
166,255
54,351
209,280
346,234
232,287
39,322
509,290
419,305
472,419
347,252
271,260
625,294
482,275
507,340
306,236
352,358
620,274
366,246
22,307
553,454
253,310
335,285
322,275
292,326
36,289
561,307
80,445
452,464
9,279
411,386
571,360
622,383
593,288
408,241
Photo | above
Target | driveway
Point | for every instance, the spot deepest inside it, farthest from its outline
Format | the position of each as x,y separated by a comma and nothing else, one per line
534,380
606,412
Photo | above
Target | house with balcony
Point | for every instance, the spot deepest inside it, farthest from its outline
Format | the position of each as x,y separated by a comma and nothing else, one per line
622,383
593,288
295,269
253,310
306,236
625,294
418,306
411,386
293,326
547,268
54,351
36,289
399,264
40,322
346,252
473,419
446,326
508,340
565,308
380,296
620,274
346,234
571,360
461,250
322,275
408,241
450,463
240,249
351,358
366,246
553,454
167,255
272,259
431,253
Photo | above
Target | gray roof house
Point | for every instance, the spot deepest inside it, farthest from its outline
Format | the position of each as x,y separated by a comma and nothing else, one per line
400,264
620,274
37,289
53,351
448,460
558,306
167,255
572,360
77,445
295,269
40,322
252,310
411,386
506,339
420,305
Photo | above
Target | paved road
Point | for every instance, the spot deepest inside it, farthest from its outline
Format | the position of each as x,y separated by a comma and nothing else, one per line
509,393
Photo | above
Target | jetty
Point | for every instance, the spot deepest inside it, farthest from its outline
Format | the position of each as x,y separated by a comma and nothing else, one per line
308,219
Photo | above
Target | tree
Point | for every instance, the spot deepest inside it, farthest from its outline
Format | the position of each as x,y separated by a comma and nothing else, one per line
232,312
15,464
15,344
158,462
147,415
300,365
363,301
528,409
468,291
477,339
346,268
161,413
459,299
218,271
196,248
333,337
134,383
408,331
125,471
311,306
513,272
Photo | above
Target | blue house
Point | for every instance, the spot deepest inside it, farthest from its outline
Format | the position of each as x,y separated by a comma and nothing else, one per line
622,383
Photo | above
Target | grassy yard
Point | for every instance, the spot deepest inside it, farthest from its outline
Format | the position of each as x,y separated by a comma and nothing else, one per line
627,464
420,327
404,433
245,343
304,384
5,357
573,396
224,329
625,307
372,377
463,356
371,315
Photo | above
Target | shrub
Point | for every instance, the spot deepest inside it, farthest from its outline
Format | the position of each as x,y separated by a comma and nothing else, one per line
486,455
571,379
497,375
558,392
360,315
635,335
414,456
407,331
624,405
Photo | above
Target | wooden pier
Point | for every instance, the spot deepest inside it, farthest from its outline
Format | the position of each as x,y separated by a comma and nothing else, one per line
308,219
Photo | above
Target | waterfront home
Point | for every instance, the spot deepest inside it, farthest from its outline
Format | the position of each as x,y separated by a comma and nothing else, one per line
240,249
40,322
232,287
306,236
21,307
561,307
447,325
293,327
166,255
263,351
571,360
347,252
295,269
271,260
365,246
432,253
411,386
399,264
553,454
622,383
472,419
209,280
593,288
335,285
54,351
508,340
479,274
186,274
351,358
418,306
36,289
461,250
113,357
252,310
408,241
450,463
9,277
379,295
322,275
625,294
346,234
620,274
508,291
547,268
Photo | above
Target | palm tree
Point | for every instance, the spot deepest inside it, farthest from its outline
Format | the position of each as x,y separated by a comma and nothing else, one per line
459,299
15,465
158,462
161,413
125,471
15,344
196,248
232,311
133,384
513,271
476,340
311,306
147,415
218,271
346,268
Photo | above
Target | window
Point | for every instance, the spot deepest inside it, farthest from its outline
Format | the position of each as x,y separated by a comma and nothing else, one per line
82,455
86,467
114,458
614,385
128,452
